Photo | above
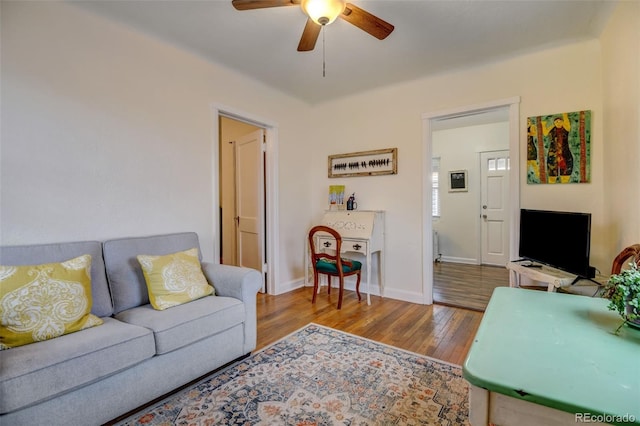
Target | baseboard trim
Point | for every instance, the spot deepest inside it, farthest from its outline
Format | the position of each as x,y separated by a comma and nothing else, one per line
466,261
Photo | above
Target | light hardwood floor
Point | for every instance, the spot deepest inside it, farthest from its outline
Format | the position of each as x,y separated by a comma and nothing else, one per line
437,331
468,286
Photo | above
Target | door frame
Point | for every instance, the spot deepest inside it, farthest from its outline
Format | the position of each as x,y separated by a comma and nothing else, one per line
513,104
271,186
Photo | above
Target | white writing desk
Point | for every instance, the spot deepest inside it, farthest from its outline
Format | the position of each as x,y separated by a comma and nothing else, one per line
362,232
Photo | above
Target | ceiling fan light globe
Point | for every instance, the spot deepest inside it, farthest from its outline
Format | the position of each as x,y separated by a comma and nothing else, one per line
323,12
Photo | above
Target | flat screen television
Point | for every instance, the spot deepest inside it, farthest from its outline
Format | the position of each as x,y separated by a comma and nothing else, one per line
558,239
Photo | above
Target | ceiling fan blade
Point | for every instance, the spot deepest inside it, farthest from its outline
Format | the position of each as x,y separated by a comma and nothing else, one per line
261,4
367,22
309,36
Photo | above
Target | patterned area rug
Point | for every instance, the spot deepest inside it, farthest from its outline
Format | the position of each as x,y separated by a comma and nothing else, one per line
321,376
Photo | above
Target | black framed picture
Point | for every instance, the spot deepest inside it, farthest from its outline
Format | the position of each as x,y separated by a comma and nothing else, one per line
458,181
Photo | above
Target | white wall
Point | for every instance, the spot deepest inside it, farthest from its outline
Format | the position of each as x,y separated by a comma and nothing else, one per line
108,133
621,68
459,149
391,117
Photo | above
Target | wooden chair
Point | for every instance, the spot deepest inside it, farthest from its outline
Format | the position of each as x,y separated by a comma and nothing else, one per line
629,254
332,265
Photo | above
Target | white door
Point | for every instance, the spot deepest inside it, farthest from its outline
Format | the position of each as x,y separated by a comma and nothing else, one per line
494,170
250,201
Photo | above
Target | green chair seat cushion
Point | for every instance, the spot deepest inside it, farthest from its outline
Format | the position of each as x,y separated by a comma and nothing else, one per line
330,267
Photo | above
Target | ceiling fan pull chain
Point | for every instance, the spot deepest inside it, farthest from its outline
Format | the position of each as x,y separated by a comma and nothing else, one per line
323,56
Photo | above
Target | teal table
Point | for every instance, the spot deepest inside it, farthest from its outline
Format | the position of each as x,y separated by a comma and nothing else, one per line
544,358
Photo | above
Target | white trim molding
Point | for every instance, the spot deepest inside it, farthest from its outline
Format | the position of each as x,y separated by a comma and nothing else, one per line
271,184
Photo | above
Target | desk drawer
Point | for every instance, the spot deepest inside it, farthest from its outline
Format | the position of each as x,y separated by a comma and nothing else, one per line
354,246
347,246
326,243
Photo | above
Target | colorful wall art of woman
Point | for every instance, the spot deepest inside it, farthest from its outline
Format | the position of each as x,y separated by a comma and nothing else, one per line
559,157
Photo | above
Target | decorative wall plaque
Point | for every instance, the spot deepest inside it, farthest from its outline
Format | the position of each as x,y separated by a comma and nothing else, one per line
365,163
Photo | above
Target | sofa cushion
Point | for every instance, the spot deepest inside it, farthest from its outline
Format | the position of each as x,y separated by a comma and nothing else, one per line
43,370
59,252
41,302
174,279
128,287
187,323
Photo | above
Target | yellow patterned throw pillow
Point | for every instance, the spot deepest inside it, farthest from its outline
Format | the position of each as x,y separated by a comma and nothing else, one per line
174,279
40,302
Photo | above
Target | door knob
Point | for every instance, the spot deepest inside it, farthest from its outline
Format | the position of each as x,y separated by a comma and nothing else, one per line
484,207
484,216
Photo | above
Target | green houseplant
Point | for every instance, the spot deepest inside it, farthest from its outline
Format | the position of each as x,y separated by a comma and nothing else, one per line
623,292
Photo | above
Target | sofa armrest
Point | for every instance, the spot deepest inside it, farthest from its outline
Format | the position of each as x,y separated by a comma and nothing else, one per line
242,284
233,281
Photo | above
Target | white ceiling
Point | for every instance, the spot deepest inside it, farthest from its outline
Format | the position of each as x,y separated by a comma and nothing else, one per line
430,37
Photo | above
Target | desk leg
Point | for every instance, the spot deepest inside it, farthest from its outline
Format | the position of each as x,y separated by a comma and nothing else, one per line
306,264
381,270
368,277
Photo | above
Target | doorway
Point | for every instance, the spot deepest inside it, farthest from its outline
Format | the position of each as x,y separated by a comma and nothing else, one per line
245,193
509,107
241,194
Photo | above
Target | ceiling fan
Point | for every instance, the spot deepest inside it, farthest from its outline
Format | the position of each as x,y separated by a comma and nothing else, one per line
321,13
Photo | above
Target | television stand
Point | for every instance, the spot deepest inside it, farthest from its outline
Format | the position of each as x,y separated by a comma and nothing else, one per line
554,278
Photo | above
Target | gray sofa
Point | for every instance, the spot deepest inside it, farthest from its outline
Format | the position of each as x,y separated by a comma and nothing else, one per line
95,375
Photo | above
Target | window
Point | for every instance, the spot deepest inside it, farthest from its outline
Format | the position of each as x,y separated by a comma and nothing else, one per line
435,187
501,163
